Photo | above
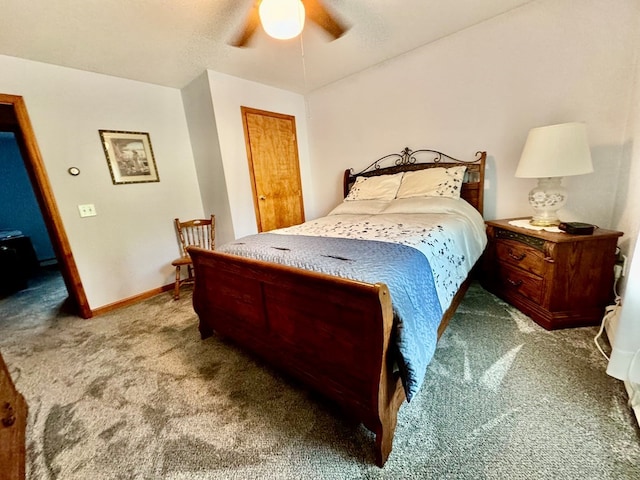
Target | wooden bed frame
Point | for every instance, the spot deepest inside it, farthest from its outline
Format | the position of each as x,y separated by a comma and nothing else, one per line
331,333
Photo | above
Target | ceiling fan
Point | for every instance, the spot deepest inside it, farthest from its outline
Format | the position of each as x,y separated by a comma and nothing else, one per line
313,10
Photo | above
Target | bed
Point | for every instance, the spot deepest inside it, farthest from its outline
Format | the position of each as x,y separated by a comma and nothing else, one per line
315,300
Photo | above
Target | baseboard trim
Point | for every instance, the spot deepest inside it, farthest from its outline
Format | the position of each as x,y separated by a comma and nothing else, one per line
131,300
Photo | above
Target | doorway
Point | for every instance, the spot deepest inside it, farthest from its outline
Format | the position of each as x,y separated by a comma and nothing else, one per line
14,118
272,151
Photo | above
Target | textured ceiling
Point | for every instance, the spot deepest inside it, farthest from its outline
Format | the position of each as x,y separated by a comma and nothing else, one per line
171,42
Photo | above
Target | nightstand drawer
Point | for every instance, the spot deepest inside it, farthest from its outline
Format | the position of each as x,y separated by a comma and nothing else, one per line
520,255
558,279
515,280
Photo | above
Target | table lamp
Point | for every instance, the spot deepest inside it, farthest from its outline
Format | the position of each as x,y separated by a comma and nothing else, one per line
550,153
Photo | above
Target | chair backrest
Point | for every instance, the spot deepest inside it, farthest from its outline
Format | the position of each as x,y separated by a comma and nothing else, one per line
198,232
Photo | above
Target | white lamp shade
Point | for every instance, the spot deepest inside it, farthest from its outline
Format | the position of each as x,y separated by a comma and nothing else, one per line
556,151
282,19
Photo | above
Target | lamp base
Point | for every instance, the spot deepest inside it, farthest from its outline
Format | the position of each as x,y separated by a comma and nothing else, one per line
546,199
544,223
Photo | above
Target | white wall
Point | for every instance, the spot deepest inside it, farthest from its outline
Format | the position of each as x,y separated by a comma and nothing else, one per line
206,152
627,212
483,88
228,94
127,248
480,89
624,363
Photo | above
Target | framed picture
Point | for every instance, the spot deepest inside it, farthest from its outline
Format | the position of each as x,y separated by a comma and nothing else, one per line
129,156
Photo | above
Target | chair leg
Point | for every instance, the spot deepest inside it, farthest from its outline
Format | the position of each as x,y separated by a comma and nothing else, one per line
176,288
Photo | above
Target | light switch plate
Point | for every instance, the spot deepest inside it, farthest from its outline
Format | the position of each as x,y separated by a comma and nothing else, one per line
88,210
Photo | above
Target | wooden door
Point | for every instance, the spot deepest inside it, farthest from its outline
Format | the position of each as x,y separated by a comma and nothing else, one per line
272,151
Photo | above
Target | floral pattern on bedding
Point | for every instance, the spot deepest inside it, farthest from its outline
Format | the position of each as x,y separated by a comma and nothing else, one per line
448,262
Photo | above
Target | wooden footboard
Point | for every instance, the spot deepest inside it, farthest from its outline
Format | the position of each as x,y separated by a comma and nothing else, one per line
331,333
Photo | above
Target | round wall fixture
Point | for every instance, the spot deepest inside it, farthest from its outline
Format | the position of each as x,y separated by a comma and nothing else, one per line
75,171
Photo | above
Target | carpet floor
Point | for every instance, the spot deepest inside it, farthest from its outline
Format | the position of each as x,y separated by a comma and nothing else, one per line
135,394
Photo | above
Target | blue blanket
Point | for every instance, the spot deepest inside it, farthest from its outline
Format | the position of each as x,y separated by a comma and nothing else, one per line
403,269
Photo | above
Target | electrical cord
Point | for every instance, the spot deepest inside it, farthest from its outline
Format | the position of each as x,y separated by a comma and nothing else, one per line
615,287
610,312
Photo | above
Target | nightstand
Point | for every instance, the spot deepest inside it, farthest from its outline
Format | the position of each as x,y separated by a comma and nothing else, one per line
559,280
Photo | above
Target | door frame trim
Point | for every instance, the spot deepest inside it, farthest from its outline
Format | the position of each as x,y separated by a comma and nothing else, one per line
245,111
34,164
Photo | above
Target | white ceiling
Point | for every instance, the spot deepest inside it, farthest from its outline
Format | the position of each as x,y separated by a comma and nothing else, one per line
171,42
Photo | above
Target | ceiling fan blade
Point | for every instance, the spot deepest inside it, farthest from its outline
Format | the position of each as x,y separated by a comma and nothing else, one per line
317,13
252,22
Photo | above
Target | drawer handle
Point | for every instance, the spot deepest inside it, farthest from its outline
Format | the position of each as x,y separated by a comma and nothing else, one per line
517,258
514,283
9,417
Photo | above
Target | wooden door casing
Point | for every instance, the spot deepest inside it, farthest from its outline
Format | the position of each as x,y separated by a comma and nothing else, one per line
272,152
15,118
13,425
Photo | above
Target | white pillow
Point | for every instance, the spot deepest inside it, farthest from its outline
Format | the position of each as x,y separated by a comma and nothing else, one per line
360,207
428,205
432,182
381,187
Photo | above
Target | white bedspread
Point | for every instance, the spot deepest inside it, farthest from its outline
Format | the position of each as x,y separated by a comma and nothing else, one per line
452,240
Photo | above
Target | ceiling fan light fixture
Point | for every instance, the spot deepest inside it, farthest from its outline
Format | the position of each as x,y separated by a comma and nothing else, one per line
282,19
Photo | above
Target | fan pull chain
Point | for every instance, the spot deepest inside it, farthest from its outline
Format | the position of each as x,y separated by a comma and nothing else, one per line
304,78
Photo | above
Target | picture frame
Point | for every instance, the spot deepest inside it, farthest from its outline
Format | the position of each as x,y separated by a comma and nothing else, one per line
129,156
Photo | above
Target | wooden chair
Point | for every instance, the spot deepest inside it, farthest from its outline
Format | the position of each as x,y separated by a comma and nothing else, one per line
198,232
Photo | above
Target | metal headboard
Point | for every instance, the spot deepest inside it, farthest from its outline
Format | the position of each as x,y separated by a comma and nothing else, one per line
408,160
